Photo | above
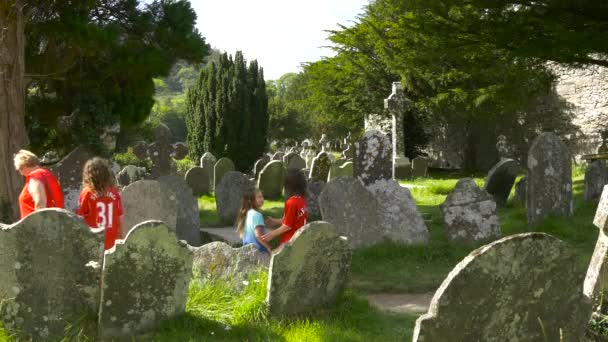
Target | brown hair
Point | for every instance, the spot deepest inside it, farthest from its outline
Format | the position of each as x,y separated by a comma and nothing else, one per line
97,175
248,203
295,183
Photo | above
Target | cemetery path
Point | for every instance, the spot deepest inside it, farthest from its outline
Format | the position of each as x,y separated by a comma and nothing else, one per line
414,303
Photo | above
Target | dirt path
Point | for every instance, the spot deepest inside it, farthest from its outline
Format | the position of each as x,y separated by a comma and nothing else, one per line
401,303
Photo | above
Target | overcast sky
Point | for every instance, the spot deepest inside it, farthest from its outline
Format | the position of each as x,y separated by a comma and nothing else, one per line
280,34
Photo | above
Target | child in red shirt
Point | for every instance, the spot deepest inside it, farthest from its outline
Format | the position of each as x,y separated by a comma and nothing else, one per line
99,202
296,209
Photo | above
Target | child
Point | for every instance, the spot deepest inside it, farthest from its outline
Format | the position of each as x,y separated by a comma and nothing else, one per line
250,222
296,210
99,202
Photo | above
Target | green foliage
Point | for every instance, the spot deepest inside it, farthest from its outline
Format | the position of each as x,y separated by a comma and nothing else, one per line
290,117
184,165
129,158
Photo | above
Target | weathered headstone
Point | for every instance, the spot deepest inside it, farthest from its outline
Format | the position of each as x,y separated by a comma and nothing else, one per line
270,181
596,279
320,167
400,219
500,180
278,156
188,223
352,209
259,165
469,214
147,200
373,158
218,260
526,287
519,197
397,104
50,266
162,152
313,191
549,182
130,174
69,174
208,161
348,152
420,166
295,162
145,281
223,166
229,195
198,180
337,170
596,176
299,284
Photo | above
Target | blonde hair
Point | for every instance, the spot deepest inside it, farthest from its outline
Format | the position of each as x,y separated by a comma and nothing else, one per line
248,203
25,158
97,175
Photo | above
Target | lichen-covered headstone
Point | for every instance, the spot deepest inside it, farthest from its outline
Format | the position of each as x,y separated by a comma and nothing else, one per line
50,266
596,273
130,174
270,181
69,174
469,214
320,167
229,195
188,221
341,169
526,287
420,166
198,180
400,219
313,191
161,152
223,166
353,210
500,180
596,176
145,281
309,271
147,200
549,182
373,159
218,260
295,162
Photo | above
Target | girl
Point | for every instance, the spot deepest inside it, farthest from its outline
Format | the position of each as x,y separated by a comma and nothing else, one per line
99,202
250,222
296,210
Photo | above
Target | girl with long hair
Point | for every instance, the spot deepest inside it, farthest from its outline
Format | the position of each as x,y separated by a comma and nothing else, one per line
250,222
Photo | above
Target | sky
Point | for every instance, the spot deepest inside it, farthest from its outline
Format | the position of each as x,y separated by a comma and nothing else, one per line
280,34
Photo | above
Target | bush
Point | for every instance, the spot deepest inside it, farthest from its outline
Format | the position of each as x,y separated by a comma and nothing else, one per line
129,158
184,165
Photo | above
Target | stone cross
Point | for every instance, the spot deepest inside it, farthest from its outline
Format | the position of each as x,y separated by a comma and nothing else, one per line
397,104
323,142
161,152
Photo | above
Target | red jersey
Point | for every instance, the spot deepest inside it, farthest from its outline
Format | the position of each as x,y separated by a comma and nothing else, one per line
102,211
296,214
54,196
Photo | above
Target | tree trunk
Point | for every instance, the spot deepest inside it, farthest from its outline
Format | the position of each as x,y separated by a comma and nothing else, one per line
13,135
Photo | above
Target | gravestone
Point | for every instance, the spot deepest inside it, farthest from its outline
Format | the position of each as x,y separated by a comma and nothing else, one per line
313,191
337,170
320,167
420,167
397,104
353,211
399,217
595,279
229,195
519,197
373,158
469,214
147,200
218,260
208,161
596,176
270,181
162,152
50,268
297,284
348,152
69,174
223,166
549,182
198,180
500,180
145,281
130,174
278,156
295,162
188,223
526,287
259,165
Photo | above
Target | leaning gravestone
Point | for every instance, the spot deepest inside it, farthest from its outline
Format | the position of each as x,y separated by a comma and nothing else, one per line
352,209
220,168
271,179
229,195
69,174
130,174
218,260
50,268
469,214
595,280
147,200
526,287
198,180
500,180
373,158
161,152
188,223
400,219
295,162
549,182
420,167
320,167
596,176
145,281
299,284
345,169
